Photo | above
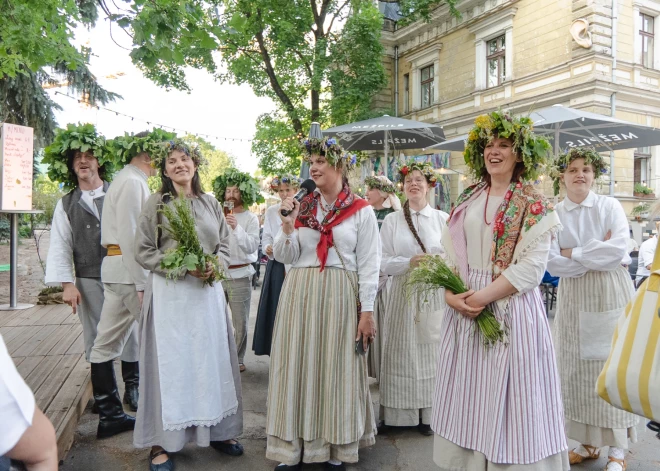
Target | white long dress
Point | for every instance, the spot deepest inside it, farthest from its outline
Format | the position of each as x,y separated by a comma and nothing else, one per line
408,359
594,289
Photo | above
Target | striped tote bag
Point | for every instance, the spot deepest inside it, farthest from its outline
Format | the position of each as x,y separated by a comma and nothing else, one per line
630,379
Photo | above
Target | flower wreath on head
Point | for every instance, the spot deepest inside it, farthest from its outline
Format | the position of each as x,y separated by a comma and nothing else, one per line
128,146
590,156
381,183
533,150
285,179
83,138
248,186
425,168
331,150
160,152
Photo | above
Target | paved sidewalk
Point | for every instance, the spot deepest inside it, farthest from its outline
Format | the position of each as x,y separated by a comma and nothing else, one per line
400,450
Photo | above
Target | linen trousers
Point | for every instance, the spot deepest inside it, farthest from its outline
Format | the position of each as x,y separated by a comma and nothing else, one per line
119,317
89,313
238,292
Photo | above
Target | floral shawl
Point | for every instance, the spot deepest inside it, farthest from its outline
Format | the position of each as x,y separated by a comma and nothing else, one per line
345,206
524,216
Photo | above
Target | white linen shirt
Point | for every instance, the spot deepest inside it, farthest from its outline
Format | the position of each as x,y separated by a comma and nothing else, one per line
358,241
121,209
646,254
243,244
399,244
584,228
272,225
16,402
59,262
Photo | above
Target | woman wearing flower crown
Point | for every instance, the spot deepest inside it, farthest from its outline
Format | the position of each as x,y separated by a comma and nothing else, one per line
284,186
319,405
589,254
408,351
381,195
190,390
498,407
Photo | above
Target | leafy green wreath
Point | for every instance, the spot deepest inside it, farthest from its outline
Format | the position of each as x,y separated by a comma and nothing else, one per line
377,184
333,152
83,138
161,150
248,186
128,146
590,156
532,149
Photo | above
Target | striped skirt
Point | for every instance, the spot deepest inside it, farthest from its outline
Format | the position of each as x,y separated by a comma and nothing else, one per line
319,405
588,308
502,401
408,366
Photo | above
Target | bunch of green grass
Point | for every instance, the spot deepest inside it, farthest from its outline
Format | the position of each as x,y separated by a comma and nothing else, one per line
188,254
433,273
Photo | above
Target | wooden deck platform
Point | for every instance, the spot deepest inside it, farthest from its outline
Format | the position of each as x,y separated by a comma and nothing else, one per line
47,347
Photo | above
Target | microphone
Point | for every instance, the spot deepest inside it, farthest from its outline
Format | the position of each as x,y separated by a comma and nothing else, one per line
307,187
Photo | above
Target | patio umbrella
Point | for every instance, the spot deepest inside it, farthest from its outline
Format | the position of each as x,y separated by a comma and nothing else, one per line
387,132
567,128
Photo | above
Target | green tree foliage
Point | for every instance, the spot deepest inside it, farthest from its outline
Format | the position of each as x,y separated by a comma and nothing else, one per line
413,10
296,52
36,51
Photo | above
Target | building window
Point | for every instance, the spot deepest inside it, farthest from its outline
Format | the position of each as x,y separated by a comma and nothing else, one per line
647,34
427,76
495,62
642,159
406,93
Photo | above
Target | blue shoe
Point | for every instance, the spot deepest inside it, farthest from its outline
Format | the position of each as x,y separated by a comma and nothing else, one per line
167,466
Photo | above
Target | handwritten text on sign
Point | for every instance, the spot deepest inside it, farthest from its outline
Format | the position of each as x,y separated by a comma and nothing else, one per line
16,146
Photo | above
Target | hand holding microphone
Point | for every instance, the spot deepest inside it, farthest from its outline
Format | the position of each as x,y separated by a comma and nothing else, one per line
307,187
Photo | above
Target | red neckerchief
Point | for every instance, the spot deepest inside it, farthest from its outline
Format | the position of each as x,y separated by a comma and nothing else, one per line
346,205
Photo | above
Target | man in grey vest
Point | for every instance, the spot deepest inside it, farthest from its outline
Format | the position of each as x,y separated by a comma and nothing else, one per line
75,246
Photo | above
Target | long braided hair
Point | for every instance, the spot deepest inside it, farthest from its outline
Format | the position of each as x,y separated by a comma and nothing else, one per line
411,226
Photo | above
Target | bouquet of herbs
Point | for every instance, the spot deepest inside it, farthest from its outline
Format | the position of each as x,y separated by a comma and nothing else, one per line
433,273
188,254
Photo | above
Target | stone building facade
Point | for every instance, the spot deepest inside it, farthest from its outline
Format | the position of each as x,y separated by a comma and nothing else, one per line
524,55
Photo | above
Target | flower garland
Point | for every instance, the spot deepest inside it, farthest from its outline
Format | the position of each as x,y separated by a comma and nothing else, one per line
331,150
425,168
128,146
532,149
83,138
247,185
285,179
160,151
380,183
590,156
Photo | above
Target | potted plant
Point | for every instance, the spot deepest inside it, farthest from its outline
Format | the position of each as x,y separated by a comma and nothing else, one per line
642,191
640,211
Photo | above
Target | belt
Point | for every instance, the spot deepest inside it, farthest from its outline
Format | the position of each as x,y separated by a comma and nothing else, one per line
113,250
233,267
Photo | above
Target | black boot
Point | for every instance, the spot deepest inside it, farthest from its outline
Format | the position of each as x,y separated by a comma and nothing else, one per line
131,374
112,419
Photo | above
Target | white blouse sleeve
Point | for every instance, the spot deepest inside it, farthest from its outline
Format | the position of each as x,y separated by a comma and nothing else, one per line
561,266
606,255
646,254
391,264
286,248
59,263
267,237
528,273
368,253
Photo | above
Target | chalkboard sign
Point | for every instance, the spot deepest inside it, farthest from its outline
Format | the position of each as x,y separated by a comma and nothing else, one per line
16,150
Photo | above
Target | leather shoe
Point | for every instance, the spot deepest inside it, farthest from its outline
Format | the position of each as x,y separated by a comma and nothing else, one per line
285,467
425,429
231,449
130,372
167,466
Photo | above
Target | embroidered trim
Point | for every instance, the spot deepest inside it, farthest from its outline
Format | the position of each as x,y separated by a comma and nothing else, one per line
199,423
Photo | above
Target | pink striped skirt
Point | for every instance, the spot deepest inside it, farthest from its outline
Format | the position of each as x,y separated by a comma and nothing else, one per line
503,401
